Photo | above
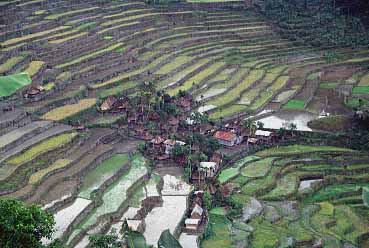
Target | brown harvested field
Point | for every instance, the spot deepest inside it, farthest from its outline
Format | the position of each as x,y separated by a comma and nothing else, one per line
337,74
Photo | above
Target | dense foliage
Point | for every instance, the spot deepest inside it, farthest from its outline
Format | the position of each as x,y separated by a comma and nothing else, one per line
24,226
321,23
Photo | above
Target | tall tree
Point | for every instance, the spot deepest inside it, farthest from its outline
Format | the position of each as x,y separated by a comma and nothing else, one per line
251,126
23,226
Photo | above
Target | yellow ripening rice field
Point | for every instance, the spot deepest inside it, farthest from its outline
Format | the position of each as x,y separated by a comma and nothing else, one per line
63,112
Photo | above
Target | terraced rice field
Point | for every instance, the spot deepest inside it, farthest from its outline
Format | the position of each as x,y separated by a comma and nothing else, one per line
234,64
189,49
305,193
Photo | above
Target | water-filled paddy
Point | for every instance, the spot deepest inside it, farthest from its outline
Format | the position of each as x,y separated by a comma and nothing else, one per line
283,119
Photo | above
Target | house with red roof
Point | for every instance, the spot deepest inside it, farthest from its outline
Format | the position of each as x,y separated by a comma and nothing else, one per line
227,138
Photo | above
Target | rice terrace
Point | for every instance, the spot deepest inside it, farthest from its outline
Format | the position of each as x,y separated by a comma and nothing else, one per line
184,123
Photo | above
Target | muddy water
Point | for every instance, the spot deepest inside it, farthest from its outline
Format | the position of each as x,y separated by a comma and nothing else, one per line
65,217
174,194
284,118
307,184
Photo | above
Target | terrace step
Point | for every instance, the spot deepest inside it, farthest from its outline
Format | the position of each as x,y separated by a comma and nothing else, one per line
53,131
88,187
19,135
77,169
11,120
95,220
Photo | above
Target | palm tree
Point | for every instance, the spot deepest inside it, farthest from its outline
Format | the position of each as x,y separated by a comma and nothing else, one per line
251,126
147,91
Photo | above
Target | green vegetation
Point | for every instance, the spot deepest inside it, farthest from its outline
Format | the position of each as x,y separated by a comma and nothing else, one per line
86,25
333,207
328,25
126,76
360,90
331,123
365,196
219,233
295,104
299,149
10,84
18,223
258,169
286,186
256,186
334,191
328,85
232,172
117,193
218,211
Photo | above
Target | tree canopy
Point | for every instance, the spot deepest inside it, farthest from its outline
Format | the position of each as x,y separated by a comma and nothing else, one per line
24,226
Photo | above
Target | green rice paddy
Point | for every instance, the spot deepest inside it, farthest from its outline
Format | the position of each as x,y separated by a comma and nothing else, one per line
10,84
295,104
360,90
103,171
